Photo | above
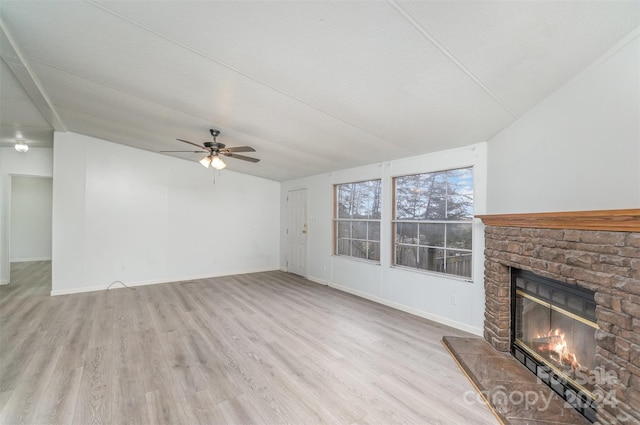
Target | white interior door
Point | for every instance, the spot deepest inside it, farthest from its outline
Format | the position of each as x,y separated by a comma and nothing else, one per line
297,232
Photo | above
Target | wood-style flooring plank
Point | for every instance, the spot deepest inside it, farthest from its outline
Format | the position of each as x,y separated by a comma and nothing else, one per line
262,348
165,408
203,409
240,411
58,404
93,406
21,408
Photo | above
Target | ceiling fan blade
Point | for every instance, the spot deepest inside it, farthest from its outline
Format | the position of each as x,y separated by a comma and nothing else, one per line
183,151
242,157
194,144
238,149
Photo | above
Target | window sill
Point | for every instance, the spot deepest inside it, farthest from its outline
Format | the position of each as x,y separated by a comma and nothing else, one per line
357,260
435,274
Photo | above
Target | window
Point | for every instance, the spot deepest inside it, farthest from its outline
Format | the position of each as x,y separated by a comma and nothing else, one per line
357,220
432,224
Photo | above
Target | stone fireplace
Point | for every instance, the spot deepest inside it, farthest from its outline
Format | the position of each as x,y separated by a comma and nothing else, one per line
594,252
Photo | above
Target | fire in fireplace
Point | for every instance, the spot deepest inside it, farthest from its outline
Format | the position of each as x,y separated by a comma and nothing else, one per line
553,335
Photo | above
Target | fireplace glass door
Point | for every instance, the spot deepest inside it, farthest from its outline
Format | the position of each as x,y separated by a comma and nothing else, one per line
562,339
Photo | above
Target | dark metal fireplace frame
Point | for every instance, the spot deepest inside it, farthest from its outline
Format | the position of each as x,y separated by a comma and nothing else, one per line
574,395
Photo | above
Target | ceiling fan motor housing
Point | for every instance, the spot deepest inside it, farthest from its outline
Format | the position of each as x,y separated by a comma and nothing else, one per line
214,145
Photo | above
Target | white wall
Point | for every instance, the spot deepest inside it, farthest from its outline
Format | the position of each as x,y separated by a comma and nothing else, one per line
30,218
427,295
579,149
125,214
36,162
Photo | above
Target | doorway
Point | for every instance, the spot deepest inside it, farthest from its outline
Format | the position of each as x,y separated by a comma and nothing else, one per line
30,226
297,232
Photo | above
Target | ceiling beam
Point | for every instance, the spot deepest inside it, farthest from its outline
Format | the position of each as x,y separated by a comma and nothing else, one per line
25,76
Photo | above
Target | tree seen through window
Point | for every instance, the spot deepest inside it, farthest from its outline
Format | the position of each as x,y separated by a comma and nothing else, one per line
433,215
357,219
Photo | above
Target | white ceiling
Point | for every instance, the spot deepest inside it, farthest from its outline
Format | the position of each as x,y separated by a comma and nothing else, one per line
313,86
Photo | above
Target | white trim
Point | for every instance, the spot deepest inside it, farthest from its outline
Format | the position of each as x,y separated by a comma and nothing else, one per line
433,317
26,260
156,281
4,281
317,280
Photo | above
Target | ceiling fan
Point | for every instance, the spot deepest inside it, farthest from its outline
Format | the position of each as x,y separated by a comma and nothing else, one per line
215,149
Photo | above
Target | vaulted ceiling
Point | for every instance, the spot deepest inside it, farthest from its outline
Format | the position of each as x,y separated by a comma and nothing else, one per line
313,86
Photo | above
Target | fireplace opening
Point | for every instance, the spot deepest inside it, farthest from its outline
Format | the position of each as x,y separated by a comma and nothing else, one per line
553,334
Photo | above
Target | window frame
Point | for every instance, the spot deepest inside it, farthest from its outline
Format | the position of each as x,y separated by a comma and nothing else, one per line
337,220
395,244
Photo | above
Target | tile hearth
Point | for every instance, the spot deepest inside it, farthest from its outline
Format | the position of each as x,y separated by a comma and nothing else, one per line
510,390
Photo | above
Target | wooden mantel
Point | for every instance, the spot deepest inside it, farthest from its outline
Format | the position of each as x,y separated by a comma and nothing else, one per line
602,220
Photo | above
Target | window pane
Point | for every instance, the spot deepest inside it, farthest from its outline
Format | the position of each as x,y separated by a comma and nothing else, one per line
374,231
460,181
409,205
343,246
375,199
358,249
345,200
344,229
361,201
432,234
459,236
368,199
460,207
373,252
431,259
435,187
407,233
359,229
406,255
460,194
459,263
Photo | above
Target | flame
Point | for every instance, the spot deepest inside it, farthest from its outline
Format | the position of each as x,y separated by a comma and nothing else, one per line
559,347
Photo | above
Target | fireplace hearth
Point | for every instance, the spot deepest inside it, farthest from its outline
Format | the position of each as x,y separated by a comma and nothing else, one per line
593,252
553,334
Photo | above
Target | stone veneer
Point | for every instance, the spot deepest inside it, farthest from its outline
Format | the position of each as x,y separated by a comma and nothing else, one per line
606,262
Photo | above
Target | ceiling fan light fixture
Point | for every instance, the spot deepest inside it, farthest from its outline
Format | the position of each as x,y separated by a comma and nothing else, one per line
21,146
217,163
206,161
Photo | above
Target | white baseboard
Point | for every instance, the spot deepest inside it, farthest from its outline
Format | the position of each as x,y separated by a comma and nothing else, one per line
317,280
154,281
411,310
436,318
4,281
27,260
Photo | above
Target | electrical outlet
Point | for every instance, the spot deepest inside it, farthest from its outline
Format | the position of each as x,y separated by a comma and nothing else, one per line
453,300
123,267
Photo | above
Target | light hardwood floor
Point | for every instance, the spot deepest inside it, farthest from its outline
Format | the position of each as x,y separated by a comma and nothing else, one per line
263,348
